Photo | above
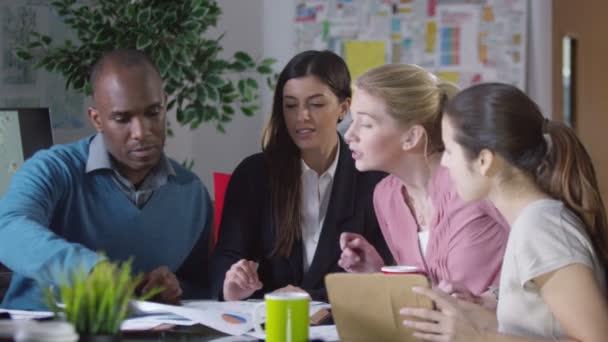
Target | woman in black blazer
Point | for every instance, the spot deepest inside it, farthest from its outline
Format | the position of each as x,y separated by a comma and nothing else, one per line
286,207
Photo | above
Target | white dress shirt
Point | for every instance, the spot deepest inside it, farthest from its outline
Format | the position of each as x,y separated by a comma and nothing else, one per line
316,191
423,237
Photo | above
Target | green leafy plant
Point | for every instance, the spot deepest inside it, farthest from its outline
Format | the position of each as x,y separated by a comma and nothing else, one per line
202,86
97,302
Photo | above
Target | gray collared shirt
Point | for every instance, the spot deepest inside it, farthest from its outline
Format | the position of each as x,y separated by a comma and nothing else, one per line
99,159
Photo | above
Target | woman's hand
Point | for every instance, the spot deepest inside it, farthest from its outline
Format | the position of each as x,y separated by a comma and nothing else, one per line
241,280
457,290
454,320
358,255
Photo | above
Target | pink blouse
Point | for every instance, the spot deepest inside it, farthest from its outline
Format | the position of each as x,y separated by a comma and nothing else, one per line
467,240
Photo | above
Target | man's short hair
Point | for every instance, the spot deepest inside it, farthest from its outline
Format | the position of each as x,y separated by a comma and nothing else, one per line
126,58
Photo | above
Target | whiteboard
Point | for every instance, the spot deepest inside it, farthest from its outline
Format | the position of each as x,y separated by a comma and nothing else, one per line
463,41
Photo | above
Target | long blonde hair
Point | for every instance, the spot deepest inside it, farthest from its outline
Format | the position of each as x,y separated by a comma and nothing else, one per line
411,96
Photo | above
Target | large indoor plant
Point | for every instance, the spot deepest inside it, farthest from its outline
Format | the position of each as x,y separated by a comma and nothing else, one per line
96,303
202,86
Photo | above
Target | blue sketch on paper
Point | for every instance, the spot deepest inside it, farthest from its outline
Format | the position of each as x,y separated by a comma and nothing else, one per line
11,151
23,86
66,105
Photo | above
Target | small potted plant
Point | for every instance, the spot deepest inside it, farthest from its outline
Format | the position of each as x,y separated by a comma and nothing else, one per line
97,302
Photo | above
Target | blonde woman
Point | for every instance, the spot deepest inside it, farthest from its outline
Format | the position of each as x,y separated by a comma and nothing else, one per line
396,128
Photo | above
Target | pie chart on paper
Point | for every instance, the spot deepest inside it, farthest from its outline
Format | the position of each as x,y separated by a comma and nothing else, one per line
233,319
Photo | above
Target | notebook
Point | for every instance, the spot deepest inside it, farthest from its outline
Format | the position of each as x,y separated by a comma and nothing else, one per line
365,307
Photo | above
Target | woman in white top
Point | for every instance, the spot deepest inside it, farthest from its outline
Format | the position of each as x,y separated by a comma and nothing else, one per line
538,174
286,207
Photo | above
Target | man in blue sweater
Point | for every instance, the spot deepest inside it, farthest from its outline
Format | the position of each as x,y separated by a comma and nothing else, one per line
114,192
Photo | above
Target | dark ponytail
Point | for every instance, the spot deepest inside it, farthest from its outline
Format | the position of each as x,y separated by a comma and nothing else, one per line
501,118
567,174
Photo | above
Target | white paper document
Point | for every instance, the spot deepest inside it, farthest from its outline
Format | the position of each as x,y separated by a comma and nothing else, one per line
221,320
233,318
21,314
322,332
149,321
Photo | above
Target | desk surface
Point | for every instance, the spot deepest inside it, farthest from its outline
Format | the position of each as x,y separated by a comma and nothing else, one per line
182,334
192,333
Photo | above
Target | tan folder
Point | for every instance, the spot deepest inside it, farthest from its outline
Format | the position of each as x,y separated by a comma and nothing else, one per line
365,307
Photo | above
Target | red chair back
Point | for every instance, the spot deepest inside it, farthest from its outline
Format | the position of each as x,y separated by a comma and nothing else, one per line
220,184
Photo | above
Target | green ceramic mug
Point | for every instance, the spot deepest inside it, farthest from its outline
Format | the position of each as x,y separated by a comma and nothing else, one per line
286,317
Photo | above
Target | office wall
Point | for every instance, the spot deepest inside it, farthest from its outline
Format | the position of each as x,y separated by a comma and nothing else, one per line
211,150
265,28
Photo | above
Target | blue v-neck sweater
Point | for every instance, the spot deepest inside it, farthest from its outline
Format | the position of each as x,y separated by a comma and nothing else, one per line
55,217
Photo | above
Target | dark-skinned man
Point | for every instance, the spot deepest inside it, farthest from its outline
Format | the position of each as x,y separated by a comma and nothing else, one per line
115,192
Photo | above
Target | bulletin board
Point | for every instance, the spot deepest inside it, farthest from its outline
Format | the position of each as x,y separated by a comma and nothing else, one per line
462,41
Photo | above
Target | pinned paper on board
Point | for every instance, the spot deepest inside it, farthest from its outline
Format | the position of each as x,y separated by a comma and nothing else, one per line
311,11
458,30
11,150
472,39
361,56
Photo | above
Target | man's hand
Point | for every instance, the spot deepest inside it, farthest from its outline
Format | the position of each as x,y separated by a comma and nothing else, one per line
164,278
358,255
241,280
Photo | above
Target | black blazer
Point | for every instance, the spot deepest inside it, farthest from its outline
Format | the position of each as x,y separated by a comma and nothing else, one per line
247,230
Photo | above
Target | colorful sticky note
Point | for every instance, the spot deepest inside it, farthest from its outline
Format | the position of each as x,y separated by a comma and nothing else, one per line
396,25
405,10
396,57
362,55
516,39
325,30
407,44
432,8
431,36
483,53
487,14
450,76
